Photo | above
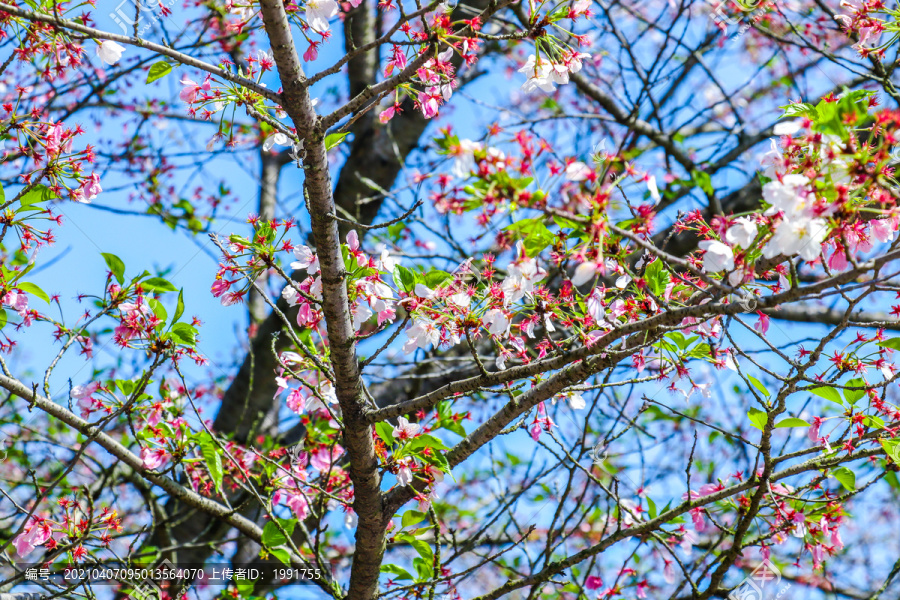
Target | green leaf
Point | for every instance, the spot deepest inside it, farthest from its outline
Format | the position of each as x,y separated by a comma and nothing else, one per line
873,422
244,586
404,278
283,555
185,334
126,386
846,477
453,426
411,517
420,546
791,422
213,459
798,109
39,193
2,317
759,386
651,274
853,395
893,343
424,569
33,289
386,432
397,572
892,448
334,139
158,309
565,223
702,180
272,536
679,339
115,265
892,480
534,234
435,278
427,441
158,71
651,507
158,284
537,240
758,418
829,393
395,230
179,306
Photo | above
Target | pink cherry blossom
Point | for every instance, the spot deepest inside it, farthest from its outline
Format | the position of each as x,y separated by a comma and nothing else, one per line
154,458
296,401
324,457
191,89
762,325
37,533
813,432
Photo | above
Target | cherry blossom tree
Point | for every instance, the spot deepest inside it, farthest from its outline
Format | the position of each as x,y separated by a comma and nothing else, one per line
590,299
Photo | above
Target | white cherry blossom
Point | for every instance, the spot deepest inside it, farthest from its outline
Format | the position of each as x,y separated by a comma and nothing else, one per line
584,272
741,233
318,13
422,334
110,52
798,236
718,257
496,321
306,259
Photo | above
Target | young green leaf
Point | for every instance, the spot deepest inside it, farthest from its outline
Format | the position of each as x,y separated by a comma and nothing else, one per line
115,265
283,555
427,441
829,393
158,284
158,71
424,568
386,432
411,517
244,586
158,309
213,459
31,288
397,572
404,278
846,477
185,334
892,343
179,306
759,386
39,193
435,278
702,180
852,396
792,422
272,536
420,546
892,448
758,418
334,139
